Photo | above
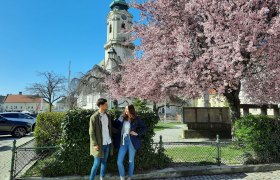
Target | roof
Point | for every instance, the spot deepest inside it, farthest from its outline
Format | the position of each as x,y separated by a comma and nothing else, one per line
119,5
2,99
22,99
212,91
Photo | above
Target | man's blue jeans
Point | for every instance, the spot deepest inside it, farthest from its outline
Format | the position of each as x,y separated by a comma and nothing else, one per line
131,153
97,161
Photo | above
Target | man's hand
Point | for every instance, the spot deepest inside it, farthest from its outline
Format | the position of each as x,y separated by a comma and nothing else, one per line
96,147
133,133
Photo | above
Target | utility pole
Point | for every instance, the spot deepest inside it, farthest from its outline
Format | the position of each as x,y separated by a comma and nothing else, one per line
68,91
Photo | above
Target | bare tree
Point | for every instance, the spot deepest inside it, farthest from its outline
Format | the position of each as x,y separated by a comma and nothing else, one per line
51,90
93,81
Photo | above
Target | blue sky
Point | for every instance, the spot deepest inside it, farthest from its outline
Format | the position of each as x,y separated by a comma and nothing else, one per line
44,35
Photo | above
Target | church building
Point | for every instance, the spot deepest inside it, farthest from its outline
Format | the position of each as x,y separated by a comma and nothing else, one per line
118,49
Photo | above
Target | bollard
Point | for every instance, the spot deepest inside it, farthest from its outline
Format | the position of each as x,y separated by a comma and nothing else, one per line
13,160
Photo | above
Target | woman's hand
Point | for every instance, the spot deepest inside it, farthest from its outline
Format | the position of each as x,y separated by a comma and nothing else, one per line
133,133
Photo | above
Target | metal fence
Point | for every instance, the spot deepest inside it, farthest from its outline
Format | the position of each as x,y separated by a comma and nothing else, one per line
26,155
180,153
204,153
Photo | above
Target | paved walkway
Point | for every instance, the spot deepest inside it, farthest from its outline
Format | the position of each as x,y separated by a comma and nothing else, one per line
174,134
6,144
274,175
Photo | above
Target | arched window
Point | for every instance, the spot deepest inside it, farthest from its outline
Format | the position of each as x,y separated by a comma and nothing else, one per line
123,25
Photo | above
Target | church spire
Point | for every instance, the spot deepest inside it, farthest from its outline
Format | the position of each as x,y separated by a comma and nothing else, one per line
119,5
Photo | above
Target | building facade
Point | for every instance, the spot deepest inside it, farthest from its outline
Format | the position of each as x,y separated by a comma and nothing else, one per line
20,102
119,24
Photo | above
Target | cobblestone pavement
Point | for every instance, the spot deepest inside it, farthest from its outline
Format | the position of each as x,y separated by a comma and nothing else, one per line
273,175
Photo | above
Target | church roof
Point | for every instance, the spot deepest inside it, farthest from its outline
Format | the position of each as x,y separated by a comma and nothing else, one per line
119,5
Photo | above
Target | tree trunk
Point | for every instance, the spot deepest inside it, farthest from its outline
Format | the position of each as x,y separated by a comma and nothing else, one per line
155,109
50,107
234,107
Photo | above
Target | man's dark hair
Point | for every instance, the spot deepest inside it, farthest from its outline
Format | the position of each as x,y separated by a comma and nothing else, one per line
101,101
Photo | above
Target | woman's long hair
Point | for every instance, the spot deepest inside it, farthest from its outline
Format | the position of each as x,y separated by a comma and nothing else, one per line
132,112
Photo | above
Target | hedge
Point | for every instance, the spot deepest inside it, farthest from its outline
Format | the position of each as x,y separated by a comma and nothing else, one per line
48,128
73,156
261,135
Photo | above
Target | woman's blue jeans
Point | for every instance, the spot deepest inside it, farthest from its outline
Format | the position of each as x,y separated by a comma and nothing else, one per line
131,153
97,161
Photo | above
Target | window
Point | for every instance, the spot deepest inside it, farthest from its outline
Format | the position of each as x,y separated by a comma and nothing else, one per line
10,115
2,118
24,116
110,28
123,25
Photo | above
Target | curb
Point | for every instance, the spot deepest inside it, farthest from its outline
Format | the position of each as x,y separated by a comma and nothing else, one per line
181,172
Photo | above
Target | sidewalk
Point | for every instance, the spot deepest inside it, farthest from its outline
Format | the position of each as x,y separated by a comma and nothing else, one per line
174,134
6,155
185,173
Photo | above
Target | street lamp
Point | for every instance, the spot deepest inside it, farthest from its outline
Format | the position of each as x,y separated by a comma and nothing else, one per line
112,55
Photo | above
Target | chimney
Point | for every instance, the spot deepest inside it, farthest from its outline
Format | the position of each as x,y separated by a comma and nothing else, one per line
20,93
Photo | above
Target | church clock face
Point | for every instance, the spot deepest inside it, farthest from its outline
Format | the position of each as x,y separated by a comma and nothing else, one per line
123,16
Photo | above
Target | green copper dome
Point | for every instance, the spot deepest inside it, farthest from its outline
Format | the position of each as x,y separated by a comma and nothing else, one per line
119,5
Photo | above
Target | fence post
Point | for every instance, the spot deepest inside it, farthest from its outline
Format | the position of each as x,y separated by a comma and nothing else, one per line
160,150
218,158
13,160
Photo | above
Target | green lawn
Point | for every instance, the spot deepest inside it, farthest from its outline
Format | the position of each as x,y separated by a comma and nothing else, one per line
168,125
200,154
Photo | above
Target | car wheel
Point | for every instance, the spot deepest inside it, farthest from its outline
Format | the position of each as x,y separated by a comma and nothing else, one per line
19,132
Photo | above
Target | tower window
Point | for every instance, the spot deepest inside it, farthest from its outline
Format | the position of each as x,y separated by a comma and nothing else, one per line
123,25
110,28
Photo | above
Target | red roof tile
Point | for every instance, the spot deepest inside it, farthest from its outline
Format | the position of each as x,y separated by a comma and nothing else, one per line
22,99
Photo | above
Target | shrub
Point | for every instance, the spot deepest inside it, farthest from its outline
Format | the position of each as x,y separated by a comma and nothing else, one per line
73,156
260,134
48,128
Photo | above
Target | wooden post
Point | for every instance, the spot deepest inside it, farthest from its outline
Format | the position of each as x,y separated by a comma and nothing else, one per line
276,111
245,111
264,110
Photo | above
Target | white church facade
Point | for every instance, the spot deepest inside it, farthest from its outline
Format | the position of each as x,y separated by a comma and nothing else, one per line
118,49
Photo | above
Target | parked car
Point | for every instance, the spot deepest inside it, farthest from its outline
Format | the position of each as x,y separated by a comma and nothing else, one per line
18,116
15,128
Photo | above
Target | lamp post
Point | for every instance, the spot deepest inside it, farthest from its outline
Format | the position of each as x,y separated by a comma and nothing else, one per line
113,57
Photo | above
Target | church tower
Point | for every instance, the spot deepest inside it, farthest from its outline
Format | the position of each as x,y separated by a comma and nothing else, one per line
119,24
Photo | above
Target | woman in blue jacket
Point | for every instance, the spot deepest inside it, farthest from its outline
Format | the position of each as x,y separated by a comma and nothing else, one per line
130,128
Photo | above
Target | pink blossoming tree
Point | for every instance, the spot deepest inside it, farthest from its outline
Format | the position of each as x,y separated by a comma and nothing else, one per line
191,46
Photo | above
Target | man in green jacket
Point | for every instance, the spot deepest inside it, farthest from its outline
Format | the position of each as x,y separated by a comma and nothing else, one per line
100,138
